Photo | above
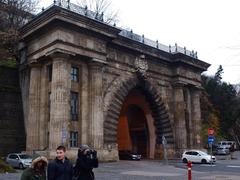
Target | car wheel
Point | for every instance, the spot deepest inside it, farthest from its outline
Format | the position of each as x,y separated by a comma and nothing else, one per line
204,161
185,160
21,166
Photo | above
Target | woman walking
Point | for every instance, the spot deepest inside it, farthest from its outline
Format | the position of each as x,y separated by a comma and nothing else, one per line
37,171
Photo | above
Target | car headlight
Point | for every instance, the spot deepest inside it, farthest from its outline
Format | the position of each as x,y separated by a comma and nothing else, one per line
134,156
26,163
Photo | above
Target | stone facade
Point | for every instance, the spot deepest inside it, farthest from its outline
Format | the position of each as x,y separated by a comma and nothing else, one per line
66,54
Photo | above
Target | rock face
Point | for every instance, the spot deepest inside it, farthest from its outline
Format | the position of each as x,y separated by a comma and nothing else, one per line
76,73
12,132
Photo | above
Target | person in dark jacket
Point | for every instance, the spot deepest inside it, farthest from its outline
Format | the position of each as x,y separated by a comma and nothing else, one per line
86,161
60,168
37,171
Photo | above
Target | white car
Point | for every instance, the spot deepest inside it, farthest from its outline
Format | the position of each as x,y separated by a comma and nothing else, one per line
19,160
197,156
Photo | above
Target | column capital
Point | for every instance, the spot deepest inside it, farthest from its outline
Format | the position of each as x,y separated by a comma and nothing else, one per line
34,64
178,85
197,88
96,66
59,55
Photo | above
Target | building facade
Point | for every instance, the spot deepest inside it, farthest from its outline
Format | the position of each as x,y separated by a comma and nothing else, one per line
87,82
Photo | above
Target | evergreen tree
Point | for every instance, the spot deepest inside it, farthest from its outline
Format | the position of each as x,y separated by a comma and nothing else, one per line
225,104
218,74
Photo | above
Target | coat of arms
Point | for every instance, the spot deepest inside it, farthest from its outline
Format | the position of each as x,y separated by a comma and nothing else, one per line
141,65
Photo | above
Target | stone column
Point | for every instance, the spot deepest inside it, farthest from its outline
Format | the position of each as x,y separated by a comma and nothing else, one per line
196,118
179,118
188,117
84,104
32,125
96,105
43,119
60,102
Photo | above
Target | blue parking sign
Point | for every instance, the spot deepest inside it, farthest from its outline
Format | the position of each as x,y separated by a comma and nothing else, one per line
210,139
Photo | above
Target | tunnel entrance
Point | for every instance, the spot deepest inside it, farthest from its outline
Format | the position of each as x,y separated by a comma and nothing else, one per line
136,131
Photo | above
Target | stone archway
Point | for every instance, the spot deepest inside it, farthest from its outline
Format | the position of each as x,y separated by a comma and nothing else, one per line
158,110
136,129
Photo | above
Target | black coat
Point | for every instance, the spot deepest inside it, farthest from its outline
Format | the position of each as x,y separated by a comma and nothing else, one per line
84,166
57,170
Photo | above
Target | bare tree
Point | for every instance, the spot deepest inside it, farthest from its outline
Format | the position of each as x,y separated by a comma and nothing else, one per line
16,13
13,15
101,7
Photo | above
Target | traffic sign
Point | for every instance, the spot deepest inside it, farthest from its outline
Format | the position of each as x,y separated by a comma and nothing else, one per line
210,139
210,131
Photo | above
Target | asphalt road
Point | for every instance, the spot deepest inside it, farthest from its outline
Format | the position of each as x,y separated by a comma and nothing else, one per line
223,169
228,166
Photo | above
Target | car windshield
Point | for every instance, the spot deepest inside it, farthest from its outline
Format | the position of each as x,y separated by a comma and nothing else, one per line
25,156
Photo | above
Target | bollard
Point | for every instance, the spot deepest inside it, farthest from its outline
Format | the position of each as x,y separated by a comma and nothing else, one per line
189,165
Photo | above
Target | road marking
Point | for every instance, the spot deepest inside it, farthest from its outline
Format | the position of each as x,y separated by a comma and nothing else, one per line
233,166
150,174
220,177
208,165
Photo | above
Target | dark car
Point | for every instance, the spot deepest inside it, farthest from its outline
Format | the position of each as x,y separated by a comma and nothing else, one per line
128,155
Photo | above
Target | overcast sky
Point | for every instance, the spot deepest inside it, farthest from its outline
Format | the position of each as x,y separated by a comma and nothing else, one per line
210,27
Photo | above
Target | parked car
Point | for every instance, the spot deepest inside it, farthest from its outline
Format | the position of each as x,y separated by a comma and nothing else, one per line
222,150
229,144
128,155
197,156
19,160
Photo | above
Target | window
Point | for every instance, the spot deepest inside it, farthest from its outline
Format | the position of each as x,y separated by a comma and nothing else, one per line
74,106
49,67
13,156
73,139
194,153
74,74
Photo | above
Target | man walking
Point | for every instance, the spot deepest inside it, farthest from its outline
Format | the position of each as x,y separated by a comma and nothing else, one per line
60,168
86,161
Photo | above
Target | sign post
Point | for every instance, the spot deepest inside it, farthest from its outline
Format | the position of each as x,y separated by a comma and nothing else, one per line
211,140
164,143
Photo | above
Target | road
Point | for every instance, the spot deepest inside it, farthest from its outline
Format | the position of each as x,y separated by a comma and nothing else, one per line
223,169
221,166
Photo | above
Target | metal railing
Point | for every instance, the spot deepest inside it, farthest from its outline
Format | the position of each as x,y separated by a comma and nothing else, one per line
170,49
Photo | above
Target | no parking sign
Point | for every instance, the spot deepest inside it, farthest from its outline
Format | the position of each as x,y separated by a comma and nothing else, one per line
210,131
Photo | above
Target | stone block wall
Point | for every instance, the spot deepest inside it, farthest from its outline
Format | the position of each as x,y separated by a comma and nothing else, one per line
12,132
